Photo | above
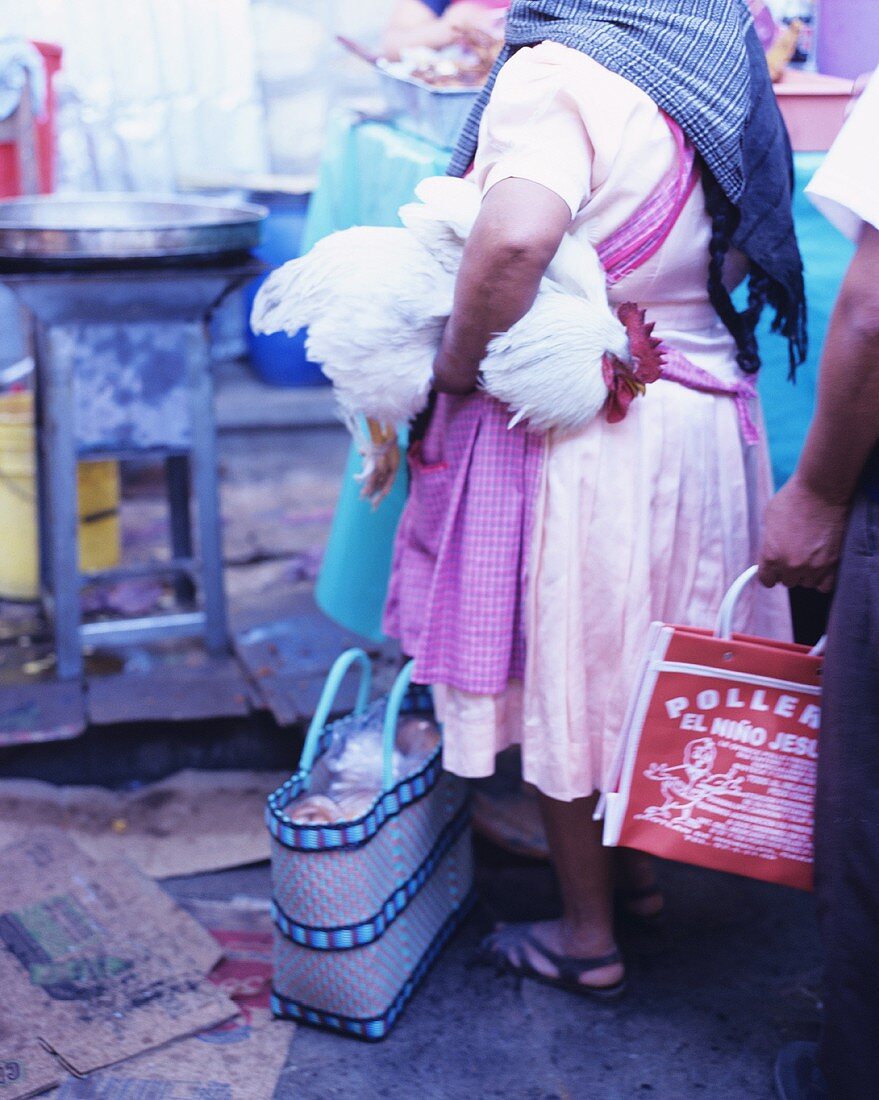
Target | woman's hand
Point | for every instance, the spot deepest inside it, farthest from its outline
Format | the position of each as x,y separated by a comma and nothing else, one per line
413,24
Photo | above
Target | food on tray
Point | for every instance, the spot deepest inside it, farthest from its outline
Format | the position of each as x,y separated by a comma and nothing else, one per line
464,65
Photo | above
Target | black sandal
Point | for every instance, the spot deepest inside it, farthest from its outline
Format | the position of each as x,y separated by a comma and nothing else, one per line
496,951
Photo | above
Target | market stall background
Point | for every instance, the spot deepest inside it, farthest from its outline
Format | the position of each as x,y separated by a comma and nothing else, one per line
160,96
253,98
155,92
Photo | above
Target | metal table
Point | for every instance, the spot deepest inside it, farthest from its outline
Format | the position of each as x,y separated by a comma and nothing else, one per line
123,370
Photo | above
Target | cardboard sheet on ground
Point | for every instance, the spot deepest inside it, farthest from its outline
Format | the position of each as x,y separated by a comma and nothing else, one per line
97,962
26,1069
189,823
238,1063
240,1060
243,928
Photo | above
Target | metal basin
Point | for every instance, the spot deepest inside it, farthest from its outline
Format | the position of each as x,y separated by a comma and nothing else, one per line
95,227
435,114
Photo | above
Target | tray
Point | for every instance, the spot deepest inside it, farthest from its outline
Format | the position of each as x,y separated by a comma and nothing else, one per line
87,227
435,114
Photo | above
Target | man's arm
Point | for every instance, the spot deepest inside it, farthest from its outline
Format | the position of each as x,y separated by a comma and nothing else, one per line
805,522
516,235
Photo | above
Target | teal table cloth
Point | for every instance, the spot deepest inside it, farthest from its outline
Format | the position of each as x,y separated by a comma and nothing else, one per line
826,253
369,171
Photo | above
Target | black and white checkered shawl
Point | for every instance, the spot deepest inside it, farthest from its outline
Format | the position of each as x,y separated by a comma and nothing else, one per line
701,62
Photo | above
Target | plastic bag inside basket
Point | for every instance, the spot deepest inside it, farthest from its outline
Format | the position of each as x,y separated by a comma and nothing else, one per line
347,777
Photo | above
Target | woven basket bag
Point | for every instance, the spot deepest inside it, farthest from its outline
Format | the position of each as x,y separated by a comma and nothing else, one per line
363,908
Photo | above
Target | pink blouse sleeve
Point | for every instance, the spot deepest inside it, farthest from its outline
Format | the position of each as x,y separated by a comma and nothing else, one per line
533,129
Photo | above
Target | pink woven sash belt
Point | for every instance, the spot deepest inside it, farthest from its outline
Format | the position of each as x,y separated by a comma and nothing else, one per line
678,368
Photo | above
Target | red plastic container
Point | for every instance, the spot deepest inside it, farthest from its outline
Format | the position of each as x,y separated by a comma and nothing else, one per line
9,176
813,106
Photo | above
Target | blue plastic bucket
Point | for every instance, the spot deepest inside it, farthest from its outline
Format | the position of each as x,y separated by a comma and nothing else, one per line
280,360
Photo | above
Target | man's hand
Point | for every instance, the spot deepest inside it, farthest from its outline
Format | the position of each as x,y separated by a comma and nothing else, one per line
802,538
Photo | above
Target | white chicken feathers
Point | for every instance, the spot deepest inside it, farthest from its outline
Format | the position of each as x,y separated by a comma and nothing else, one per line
375,303
443,217
547,367
376,300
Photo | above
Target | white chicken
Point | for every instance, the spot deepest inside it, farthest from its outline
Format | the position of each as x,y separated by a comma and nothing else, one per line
376,300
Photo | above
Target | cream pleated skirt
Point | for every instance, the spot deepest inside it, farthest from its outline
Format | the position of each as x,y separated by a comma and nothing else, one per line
649,519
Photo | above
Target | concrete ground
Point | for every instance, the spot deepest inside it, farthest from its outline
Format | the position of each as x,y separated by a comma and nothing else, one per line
710,1002
733,977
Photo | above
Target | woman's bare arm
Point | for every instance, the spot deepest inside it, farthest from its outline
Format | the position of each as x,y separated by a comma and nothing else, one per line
516,235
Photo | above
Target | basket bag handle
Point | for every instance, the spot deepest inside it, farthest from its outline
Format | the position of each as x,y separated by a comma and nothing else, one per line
724,626
327,699
392,717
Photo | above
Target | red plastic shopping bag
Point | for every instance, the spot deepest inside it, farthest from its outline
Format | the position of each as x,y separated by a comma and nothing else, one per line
719,756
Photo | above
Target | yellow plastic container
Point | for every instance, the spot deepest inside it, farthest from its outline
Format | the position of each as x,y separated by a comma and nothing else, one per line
99,534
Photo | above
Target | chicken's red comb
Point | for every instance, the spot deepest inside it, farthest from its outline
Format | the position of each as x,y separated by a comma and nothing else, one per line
645,348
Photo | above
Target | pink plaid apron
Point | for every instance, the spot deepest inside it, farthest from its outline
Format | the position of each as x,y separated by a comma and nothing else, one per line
456,598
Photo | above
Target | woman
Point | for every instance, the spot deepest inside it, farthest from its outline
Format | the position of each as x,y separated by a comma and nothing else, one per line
437,23
528,569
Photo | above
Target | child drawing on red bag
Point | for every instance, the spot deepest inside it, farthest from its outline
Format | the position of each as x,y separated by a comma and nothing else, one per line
688,785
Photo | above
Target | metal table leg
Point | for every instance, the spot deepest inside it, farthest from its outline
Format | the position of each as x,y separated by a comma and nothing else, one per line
205,483
44,527
60,516
178,482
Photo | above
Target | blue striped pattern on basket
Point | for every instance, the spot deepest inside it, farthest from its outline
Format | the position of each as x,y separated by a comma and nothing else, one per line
376,1028
363,908
343,938
351,834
